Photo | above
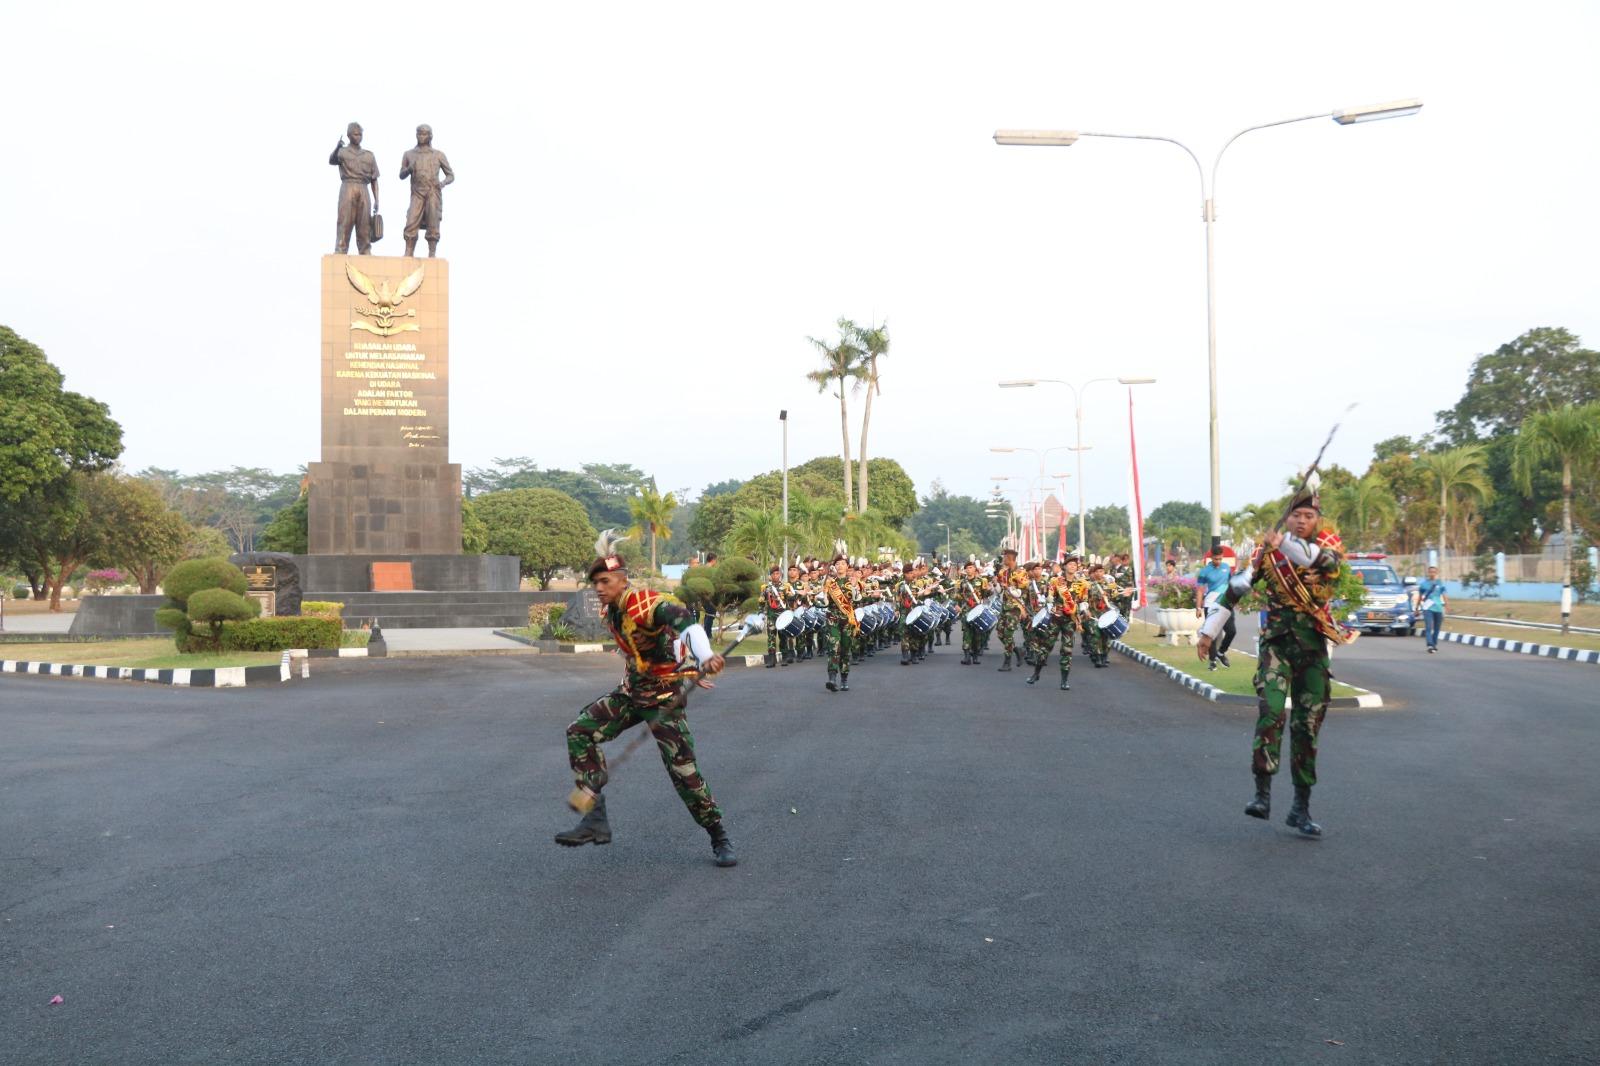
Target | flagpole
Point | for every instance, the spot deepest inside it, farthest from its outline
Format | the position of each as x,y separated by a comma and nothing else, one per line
1136,510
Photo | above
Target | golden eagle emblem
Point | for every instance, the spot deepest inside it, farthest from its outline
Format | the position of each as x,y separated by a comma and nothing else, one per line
385,303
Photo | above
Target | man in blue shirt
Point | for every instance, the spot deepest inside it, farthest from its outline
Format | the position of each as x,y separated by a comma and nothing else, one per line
1431,602
1211,581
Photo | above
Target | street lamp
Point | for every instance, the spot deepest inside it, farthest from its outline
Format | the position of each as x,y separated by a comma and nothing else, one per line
1208,212
946,526
783,417
1080,447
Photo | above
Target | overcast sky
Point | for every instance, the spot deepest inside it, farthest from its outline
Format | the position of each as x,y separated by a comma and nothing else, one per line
657,203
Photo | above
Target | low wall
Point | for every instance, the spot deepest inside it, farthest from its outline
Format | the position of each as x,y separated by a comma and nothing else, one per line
118,616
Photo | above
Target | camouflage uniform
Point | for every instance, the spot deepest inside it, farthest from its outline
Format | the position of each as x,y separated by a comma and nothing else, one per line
645,625
912,645
1061,627
1010,611
843,632
972,591
772,606
1293,676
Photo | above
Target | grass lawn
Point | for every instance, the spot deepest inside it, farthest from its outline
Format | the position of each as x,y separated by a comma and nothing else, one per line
1234,680
355,638
1583,614
155,653
1586,641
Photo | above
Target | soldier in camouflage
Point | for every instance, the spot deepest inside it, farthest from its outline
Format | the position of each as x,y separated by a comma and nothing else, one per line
649,628
1298,570
844,632
1010,607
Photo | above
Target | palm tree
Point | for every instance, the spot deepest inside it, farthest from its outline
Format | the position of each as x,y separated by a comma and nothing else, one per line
758,533
1570,435
1458,472
874,342
1354,506
841,361
652,514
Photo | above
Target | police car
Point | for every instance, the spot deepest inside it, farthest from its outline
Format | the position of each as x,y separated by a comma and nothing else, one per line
1389,607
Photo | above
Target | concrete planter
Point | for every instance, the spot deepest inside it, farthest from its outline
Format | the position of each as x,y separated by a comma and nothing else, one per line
1179,625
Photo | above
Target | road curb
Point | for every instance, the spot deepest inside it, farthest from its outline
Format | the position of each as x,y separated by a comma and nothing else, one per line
180,677
1366,699
1523,647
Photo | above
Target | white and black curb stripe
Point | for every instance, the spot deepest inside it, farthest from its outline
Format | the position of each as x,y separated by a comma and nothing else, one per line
1364,698
1523,647
209,677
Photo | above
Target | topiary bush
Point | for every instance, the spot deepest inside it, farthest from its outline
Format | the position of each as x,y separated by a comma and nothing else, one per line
212,607
321,609
190,578
281,634
187,578
21,592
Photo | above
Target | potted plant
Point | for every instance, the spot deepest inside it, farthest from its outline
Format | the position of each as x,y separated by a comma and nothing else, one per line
1174,597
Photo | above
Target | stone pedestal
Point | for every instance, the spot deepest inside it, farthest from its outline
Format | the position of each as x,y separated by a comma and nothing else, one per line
385,483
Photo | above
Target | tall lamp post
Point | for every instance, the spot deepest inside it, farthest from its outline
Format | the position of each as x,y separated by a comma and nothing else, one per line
946,526
1080,447
1208,213
783,418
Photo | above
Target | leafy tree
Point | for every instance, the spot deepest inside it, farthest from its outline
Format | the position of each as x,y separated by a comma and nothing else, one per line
45,431
957,512
1568,436
603,489
1457,473
61,527
1107,525
144,536
652,514
873,342
239,500
721,488
1545,368
1178,513
289,529
474,533
548,530
818,480
213,607
192,580
841,361
206,542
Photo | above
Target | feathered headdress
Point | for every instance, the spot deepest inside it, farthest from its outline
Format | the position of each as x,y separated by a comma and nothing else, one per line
1310,495
606,557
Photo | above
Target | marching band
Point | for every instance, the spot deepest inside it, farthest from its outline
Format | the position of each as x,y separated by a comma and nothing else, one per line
854,608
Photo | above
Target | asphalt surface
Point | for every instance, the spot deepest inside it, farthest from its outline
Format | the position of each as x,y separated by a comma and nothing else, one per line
942,865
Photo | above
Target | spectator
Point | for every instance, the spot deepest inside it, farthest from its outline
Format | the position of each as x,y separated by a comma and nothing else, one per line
1211,583
1431,602
1172,568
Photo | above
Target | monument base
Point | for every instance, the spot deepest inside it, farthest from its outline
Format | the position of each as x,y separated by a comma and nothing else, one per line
334,574
384,507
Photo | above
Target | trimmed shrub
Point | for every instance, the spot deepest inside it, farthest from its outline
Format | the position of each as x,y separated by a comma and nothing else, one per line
281,634
557,612
187,578
175,619
321,609
21,592
212,607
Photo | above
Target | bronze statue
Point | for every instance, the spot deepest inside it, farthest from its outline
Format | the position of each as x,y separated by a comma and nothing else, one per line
423,165
358,168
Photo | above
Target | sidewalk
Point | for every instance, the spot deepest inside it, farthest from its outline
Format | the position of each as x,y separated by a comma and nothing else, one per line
450,641
39,623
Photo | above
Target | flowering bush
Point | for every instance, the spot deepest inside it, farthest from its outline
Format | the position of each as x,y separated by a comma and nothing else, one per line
104,579
1173,592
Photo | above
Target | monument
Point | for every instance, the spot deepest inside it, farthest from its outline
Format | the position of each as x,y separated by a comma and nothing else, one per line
423,165
385,483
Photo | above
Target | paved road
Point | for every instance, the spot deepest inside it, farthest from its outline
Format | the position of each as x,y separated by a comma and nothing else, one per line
940,866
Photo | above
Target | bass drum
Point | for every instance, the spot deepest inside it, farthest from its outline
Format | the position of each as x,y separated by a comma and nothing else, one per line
921,620
1112,624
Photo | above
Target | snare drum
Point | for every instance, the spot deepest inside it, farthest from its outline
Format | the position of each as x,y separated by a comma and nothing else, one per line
790,624
1041,619
983,617
921,620
1112,624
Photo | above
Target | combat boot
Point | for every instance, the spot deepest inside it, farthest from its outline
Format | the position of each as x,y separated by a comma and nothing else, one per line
966,658
721,846
833,681
1300,813
1064,686
592,829
770,660
1261,806
844,682
1005,664
1038,668
905,657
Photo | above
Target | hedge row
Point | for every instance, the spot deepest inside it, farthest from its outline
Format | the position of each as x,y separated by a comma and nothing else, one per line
281,634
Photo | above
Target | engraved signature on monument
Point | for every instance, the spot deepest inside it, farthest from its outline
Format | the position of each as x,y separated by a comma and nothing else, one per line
417,436
383,319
